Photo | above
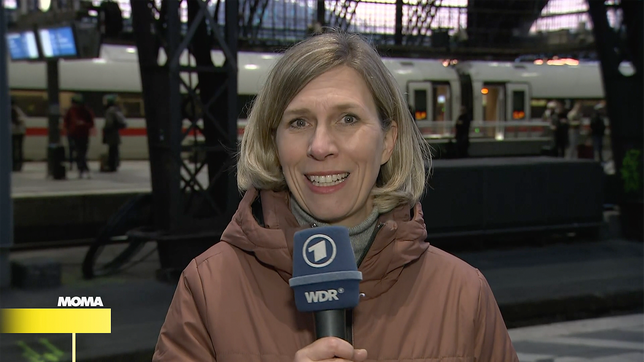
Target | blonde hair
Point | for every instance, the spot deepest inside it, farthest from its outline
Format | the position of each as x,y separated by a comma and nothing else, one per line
401,180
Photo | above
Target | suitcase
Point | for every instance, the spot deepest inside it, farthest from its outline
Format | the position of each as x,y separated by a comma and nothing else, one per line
56,160
103,163
586,152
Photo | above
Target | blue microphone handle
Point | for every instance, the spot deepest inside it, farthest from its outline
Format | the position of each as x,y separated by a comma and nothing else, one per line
331,323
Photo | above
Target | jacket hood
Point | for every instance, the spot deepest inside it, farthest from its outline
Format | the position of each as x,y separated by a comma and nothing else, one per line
399,241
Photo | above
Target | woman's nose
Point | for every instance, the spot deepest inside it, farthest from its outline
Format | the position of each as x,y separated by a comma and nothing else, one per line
322,144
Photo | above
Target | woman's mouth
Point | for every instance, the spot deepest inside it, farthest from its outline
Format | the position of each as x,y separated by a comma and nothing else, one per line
328,180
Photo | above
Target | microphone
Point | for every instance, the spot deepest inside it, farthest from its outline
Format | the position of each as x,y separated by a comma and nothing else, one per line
325,278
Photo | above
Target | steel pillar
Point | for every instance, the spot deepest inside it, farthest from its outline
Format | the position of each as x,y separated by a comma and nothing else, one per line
624,94
54,114
6,206
191,121
398,36
321,13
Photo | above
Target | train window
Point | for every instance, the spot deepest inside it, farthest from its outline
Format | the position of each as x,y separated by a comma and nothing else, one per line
518,104
65,100
420,104
33,103
190,109
132,105
441,102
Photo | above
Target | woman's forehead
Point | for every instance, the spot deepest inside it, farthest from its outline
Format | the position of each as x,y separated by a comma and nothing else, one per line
341,88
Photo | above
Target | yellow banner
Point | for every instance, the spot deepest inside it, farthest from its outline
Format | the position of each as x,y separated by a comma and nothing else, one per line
59,320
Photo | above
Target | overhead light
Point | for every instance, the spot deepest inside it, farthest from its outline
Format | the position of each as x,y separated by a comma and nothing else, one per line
268,56
44,5
131,50
251,66
562,61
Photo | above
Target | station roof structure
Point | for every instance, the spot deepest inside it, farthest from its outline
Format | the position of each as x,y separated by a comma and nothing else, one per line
446,29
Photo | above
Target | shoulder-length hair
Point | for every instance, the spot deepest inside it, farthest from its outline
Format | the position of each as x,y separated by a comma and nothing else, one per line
401,180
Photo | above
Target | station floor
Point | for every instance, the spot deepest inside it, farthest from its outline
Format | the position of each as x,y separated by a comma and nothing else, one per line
32,180
133,176
610,339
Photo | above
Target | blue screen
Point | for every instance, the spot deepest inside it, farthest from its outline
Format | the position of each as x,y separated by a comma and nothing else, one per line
22,45
57,42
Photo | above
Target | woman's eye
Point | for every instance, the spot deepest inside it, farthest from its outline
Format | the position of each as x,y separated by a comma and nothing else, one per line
348,119
298,123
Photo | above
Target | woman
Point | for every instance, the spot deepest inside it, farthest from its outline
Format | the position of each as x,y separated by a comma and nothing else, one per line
330,141
78,122
114,121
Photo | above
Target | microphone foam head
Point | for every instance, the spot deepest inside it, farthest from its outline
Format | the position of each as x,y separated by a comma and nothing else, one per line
325,274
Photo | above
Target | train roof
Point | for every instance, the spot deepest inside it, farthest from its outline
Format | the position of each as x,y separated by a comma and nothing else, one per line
546,81
406,70
117,70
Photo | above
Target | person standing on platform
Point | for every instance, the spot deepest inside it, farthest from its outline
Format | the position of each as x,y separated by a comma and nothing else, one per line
574,121
114,121
597,130
330,141
462,131
560,127
78,122
18,130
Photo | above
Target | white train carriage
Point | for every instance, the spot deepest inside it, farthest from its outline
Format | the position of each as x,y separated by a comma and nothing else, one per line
507,99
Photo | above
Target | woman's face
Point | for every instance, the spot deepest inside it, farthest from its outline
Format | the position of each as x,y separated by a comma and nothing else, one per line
331,145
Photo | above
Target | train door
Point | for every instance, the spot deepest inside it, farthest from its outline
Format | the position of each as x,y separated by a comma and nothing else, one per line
442,105
519,95
518,108
420,95
493,102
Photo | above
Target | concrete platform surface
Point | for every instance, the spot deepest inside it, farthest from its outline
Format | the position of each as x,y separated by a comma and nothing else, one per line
49,210
612,339
537,285
32,181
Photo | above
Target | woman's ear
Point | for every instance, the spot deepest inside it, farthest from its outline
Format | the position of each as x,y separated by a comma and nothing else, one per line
390,141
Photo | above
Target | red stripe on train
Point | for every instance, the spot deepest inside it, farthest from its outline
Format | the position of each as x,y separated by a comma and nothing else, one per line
127,132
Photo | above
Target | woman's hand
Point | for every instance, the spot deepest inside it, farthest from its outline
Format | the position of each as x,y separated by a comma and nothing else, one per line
330,349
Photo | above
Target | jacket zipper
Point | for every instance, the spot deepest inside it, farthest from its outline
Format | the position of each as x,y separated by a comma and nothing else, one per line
373,237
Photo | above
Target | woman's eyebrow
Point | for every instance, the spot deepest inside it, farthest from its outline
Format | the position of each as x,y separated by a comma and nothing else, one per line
347,106
336,107
296,112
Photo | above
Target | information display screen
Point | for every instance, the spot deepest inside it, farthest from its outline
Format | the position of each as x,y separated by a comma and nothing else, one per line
22,46
57,42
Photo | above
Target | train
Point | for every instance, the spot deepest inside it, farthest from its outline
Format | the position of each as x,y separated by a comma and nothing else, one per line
506,99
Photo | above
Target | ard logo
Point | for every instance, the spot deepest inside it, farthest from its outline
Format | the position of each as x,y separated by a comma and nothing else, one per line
80,302
319,250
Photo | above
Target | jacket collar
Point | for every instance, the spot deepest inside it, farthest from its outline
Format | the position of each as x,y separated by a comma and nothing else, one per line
399,241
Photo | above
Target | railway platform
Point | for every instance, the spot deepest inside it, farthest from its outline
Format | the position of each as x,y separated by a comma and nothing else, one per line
524,194
49,210
534,287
